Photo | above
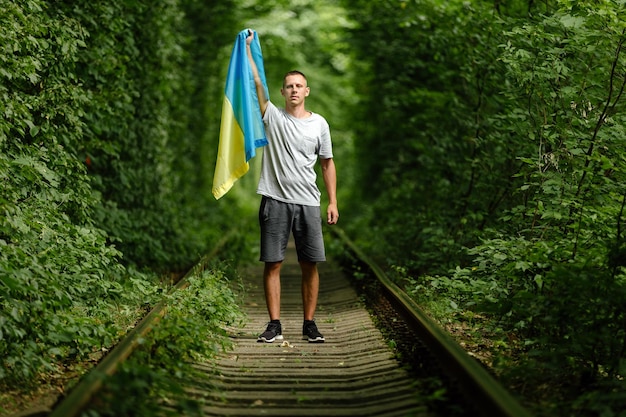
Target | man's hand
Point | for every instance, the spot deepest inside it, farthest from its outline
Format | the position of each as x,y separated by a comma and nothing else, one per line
250,37
332,213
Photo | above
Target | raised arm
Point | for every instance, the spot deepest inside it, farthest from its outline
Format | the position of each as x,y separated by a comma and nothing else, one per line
260,89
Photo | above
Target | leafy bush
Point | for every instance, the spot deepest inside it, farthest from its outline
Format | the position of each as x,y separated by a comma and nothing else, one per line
52,254
154,378
96,108
502,186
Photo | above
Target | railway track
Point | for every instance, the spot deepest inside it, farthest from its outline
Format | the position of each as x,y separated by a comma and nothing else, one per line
356,372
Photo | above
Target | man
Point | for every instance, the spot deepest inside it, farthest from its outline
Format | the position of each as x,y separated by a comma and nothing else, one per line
297,138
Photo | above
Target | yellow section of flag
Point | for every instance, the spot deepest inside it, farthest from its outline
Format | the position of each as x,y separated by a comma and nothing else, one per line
231,154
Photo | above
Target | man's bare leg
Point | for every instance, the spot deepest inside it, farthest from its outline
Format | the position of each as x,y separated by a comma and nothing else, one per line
310,288
271,284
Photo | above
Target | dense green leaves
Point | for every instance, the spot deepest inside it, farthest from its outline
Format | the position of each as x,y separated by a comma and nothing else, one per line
98,167
501,189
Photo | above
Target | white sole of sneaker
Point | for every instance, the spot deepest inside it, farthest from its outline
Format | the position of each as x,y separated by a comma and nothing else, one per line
316,340
264,340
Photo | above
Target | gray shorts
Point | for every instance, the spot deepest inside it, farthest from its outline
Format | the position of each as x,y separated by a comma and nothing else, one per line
278,219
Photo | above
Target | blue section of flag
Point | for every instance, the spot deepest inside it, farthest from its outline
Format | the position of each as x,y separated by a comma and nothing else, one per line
241,92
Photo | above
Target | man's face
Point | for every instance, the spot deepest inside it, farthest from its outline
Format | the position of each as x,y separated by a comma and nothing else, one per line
294,89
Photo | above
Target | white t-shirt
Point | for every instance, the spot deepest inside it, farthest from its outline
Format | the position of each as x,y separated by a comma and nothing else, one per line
294,145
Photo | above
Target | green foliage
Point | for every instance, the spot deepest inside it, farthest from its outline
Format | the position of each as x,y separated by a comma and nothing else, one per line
141,121
501,188
153,379
52,254
434,84
99,166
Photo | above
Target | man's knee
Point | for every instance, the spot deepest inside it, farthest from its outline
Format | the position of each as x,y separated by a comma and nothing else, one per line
272,268
308,268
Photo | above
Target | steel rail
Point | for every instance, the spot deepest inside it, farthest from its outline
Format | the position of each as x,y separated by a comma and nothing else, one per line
488,396
82,393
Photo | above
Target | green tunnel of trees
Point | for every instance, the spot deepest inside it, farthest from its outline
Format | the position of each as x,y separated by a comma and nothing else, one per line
479,144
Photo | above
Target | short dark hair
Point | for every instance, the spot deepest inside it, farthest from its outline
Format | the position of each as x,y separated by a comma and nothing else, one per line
294,72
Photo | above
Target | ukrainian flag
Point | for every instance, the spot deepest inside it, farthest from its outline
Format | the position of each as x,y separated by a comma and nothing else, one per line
241,130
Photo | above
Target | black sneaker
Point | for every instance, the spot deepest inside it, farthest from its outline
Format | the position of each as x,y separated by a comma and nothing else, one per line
310,332
273,332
